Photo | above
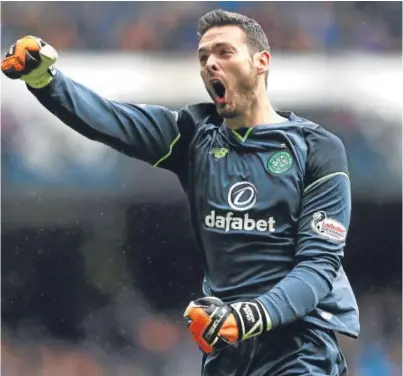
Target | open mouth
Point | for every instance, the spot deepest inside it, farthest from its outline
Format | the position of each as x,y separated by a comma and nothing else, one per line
219,90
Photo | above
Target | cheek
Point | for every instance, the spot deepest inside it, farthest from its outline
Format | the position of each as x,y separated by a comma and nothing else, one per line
203,75
241,68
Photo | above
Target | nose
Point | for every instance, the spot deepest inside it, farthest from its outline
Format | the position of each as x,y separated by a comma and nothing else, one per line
211,64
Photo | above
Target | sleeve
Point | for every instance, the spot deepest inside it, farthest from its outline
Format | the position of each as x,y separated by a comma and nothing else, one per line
150,133
322,231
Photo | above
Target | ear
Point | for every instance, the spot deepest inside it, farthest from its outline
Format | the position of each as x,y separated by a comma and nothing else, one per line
262,61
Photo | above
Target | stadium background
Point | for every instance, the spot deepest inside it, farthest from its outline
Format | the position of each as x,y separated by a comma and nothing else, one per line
97,260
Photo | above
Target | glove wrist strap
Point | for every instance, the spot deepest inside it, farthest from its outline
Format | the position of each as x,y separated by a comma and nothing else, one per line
41,81
252,318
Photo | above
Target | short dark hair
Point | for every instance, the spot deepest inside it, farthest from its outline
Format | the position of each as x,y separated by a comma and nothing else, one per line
257,39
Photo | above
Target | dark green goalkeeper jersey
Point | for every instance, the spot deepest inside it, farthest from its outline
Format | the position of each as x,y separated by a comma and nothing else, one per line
270,205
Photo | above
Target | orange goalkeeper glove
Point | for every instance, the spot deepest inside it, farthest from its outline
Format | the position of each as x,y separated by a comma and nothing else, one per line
30,59
215,325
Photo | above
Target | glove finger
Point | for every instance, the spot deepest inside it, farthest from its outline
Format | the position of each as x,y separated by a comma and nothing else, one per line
203,345
198,316
12,73
13,67
10,51
9,68
23,45
19,59
208,301
188,309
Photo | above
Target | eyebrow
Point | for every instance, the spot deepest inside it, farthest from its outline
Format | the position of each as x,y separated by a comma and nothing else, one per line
215,45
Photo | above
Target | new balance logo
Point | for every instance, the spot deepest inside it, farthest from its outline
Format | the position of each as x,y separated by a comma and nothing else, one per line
219,152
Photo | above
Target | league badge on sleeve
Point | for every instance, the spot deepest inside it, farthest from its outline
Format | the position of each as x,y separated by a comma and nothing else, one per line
328,228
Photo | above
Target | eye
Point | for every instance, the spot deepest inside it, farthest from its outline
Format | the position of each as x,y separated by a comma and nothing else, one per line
226,52
203,58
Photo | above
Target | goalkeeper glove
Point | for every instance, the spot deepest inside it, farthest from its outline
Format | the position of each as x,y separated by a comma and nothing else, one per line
215,325
30,59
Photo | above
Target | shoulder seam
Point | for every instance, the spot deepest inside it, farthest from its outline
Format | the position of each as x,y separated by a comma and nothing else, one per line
171,146
324,178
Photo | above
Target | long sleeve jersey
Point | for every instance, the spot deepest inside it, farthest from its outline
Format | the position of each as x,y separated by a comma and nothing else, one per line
270,205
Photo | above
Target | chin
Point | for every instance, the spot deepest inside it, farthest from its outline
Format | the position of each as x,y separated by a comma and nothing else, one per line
226,112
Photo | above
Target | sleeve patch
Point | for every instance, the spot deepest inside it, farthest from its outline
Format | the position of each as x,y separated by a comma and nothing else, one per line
328,228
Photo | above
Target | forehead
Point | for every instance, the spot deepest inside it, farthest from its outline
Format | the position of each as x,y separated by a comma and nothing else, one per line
222,34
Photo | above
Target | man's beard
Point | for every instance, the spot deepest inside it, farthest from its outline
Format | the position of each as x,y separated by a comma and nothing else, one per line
242,97
227,113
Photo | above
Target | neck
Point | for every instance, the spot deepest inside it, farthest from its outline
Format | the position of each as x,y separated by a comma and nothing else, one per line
259,112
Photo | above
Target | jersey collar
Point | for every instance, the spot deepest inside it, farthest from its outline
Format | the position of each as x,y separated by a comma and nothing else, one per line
243,134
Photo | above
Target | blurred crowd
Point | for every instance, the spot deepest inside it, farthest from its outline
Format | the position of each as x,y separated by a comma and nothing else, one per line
28,159
171,26
158,345
54,321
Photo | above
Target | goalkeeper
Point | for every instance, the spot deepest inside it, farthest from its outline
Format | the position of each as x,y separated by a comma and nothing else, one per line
269,197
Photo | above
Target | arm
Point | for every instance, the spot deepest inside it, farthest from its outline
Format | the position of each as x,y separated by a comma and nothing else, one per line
147,132
150,133
323,226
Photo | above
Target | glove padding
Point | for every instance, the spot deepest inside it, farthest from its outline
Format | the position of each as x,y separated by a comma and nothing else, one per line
30,59
215,325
